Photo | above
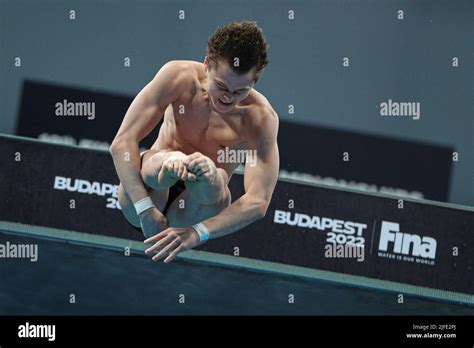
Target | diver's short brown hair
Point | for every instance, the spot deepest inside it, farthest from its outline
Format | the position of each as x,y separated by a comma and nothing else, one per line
241,44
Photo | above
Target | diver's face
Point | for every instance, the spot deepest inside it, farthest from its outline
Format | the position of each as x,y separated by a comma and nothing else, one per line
227,88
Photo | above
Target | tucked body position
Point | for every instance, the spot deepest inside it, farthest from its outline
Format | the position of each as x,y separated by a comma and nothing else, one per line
177,192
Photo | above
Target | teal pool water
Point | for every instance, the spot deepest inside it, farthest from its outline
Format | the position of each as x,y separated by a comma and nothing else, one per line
106,282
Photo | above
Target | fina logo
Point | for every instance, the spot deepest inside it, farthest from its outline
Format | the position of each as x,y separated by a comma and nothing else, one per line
401,243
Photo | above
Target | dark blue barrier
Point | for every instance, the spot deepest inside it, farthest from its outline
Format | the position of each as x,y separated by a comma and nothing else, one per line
423,243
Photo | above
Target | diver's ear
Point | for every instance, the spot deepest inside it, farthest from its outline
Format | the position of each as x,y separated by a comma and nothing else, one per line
206,62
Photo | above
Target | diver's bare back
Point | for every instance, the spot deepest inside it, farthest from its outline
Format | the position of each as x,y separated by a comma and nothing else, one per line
190,124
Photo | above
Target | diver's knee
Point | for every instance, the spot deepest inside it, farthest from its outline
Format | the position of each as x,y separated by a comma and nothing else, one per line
150,170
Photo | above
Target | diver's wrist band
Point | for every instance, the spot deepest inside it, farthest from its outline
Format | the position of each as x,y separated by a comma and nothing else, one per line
143,204
202,231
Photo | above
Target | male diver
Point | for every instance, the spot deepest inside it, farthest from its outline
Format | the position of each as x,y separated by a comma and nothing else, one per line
177,192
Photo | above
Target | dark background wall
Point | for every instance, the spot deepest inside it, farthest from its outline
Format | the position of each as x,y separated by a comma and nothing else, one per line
403,60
